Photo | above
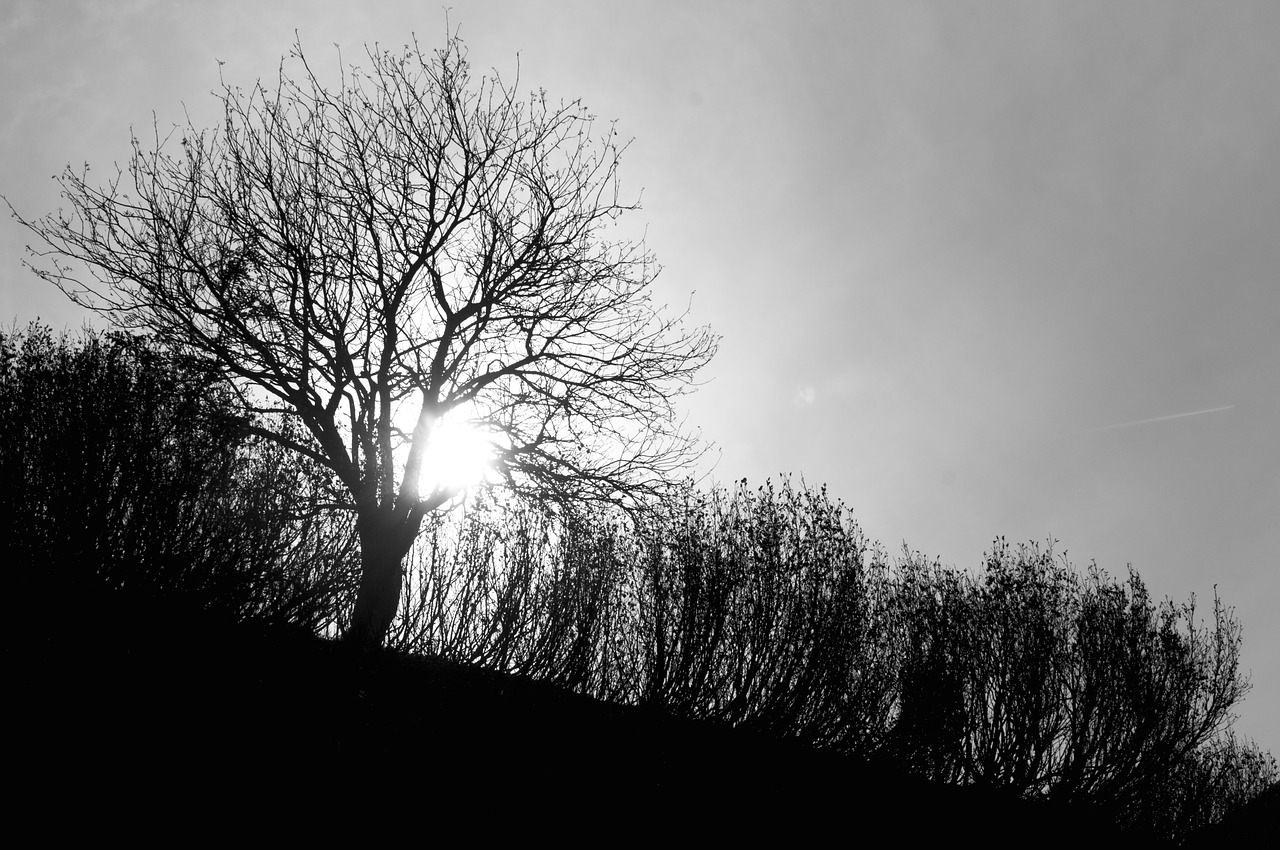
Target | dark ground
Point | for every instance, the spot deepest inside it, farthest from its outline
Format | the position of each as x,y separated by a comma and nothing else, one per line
140,723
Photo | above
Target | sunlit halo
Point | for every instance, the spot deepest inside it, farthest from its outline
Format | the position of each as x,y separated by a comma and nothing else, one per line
460,453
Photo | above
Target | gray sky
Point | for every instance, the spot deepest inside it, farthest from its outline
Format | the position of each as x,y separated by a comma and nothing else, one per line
971,261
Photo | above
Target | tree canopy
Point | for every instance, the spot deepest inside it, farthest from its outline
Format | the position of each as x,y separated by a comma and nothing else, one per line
368,258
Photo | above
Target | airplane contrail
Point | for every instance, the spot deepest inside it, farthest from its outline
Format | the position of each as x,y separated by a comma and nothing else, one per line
1152,419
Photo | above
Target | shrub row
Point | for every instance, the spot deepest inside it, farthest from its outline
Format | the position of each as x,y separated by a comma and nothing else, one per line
766,609
769,609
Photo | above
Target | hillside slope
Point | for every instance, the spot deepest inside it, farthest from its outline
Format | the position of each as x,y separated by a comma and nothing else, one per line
154,718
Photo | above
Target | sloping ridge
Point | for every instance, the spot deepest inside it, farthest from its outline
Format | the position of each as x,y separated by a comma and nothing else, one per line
152,716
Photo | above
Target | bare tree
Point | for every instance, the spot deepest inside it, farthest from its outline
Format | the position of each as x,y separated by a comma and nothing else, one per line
404,241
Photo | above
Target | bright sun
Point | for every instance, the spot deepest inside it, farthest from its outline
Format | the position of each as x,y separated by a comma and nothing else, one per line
460,455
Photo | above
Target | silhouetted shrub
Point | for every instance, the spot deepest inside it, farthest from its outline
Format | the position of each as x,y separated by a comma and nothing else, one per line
124,470
1219,777
1034,677
516,588
764,609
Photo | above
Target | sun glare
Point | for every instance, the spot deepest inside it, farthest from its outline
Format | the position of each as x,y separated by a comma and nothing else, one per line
460,453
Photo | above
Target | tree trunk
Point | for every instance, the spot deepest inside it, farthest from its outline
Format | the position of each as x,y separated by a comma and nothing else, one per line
384,541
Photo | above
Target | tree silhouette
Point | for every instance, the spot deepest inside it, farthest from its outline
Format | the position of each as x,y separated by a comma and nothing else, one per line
366,258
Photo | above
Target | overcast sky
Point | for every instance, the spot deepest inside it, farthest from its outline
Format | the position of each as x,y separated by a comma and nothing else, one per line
972,262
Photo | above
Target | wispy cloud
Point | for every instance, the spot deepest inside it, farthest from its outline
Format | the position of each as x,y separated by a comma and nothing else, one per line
1152,419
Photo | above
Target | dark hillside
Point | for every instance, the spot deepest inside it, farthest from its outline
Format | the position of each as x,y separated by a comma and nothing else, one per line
222,725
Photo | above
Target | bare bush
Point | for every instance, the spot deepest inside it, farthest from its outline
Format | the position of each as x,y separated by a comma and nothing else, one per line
124,470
